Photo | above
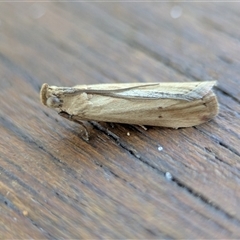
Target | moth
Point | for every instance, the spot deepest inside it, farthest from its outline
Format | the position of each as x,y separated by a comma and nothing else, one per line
173,105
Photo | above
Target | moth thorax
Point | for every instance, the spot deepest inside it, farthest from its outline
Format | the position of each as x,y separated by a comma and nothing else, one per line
53,102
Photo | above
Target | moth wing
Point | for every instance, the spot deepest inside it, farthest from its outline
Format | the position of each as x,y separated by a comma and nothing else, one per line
185,91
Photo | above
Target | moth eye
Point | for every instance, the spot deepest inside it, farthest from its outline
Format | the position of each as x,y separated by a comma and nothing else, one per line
54,102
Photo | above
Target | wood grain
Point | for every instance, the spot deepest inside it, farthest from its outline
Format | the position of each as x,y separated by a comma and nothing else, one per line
125,182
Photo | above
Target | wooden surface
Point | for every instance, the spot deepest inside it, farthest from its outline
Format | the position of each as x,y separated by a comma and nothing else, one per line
125,182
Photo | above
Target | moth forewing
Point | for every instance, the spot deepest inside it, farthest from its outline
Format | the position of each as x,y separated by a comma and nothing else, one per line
156,104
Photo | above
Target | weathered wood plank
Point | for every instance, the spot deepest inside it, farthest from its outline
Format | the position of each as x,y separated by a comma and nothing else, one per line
55,185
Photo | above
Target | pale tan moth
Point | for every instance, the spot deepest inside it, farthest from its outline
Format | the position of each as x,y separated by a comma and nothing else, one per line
171,105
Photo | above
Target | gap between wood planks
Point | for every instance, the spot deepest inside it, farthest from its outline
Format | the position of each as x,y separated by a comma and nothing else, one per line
134,153
215,139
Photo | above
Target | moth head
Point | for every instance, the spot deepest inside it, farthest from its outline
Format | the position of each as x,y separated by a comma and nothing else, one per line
48,98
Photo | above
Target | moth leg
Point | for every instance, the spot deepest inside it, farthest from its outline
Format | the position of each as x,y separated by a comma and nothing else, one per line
85,134
111,124
143,127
